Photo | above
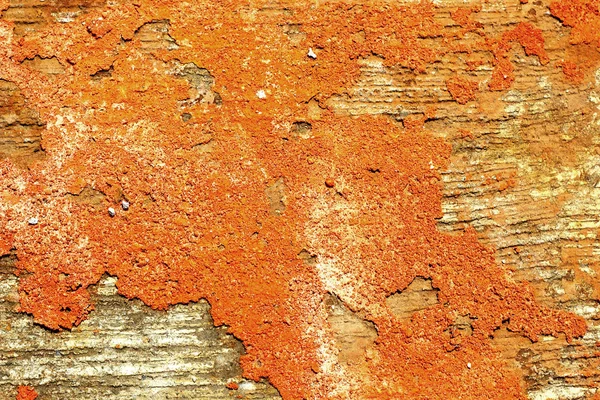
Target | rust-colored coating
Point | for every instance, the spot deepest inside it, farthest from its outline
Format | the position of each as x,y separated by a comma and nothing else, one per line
573,72
524,33
461,89
583,17
527,36
225,198
26,393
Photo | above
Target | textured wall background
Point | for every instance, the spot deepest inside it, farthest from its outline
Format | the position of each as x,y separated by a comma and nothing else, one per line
511,85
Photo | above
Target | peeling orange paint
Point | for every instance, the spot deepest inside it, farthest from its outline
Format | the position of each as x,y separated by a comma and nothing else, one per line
573,72
359,195
461,89
524,33
532,41
462,16
26,393
583,16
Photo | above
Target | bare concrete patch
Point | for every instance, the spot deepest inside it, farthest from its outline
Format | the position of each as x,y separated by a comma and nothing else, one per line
276,196
125,350
90,196
417,296
354,335
20,127
154,36
48,66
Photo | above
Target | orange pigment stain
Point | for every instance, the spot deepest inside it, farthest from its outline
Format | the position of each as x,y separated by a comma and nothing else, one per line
525,34
462,16
583,17
26,393
532,41
573,72
361,195
461,89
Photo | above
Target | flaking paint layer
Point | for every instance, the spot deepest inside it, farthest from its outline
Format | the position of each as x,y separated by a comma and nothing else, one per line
360,196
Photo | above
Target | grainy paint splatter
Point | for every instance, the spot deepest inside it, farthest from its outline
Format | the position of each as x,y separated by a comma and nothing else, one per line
26,393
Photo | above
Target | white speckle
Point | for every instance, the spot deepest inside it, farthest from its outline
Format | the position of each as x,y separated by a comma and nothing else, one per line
585,311
65,17
111,212
247,386
431,166
125,205
312,54
33,221
261,94
469,365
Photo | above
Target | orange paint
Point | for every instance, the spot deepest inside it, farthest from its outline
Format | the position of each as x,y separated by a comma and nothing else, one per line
583,16
199,223
461,89
26,393
466,134
532,41
525,34
472,65
573,72
462,16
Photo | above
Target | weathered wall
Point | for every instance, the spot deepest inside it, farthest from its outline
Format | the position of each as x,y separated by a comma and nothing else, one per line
324,183
124,351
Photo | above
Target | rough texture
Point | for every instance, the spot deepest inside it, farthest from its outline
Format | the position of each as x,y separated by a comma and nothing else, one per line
305,197
26,393
123,351
21,127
